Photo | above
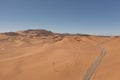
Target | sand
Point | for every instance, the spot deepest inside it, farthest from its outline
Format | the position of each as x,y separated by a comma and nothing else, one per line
55,57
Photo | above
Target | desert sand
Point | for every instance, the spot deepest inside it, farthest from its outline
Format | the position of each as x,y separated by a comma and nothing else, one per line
44,55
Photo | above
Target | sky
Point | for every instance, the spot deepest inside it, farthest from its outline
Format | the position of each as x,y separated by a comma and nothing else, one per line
98,17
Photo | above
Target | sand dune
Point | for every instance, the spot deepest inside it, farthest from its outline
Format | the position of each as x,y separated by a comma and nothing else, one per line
43,55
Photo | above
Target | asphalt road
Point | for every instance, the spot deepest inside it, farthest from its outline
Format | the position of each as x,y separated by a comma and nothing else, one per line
94,66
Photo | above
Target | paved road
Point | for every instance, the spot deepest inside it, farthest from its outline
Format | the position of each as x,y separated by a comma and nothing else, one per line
94,66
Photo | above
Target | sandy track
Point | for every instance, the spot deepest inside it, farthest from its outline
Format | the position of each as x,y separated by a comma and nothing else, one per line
17,57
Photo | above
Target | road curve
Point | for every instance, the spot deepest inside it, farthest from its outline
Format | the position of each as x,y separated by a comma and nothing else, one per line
94,66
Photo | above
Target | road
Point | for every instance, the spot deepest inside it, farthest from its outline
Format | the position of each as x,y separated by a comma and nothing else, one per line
94,66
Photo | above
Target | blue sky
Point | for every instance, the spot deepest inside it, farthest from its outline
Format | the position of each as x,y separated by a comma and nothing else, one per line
74,16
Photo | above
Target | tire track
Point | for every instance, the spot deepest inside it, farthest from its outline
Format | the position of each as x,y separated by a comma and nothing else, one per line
18,57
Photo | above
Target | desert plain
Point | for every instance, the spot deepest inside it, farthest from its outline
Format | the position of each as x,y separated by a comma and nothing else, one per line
44,55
